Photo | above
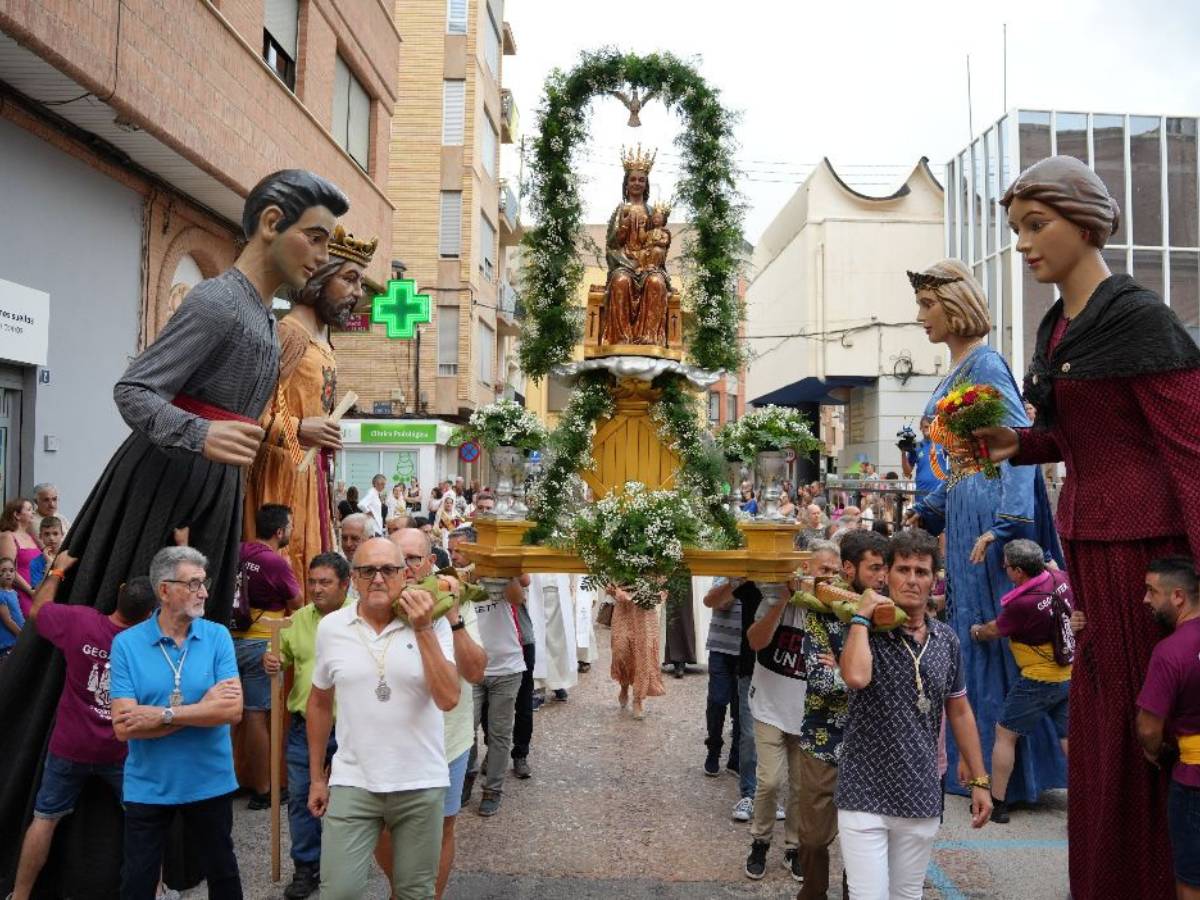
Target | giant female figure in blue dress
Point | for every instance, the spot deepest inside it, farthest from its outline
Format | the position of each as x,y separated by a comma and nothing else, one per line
979,516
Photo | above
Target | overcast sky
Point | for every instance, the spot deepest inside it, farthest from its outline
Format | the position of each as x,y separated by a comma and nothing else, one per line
872,85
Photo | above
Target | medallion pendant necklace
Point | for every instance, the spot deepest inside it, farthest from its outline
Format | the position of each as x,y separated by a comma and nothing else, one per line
924,705
383,691
176,698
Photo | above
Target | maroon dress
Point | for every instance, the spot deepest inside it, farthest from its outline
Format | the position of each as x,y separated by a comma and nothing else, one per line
1132,494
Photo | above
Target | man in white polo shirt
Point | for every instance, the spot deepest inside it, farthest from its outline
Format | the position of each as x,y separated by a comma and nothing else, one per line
392,680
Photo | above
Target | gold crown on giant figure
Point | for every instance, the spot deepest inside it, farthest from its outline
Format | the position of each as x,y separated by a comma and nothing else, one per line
345,245
637,161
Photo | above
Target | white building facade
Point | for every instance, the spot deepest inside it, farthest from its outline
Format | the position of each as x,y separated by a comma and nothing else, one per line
831,316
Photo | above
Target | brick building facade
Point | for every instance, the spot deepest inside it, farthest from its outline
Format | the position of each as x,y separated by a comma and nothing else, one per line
455,218
132,132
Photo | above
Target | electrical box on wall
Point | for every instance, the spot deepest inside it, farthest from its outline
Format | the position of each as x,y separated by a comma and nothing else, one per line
51,443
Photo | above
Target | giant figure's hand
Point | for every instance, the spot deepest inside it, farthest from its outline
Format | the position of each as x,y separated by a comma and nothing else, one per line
1002,443
232,443
320,431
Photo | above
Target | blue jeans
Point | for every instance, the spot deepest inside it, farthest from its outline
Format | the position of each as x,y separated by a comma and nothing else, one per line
747,754
256,683
63,781
304,829
1183,825
722,695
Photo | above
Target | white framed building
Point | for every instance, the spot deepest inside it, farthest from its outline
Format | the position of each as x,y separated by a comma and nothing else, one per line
1149,164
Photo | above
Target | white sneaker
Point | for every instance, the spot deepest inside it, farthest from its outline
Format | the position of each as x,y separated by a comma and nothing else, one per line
743,811
780,813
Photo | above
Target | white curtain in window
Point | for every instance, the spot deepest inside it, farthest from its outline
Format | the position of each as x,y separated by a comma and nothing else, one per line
456,16
280,19
454,99
487,247
491,44
447,326
490,142
450,227
358,128
486,350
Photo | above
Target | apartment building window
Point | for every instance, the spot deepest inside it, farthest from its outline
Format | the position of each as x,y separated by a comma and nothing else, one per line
487,247
454,101
731,407
491,43
714,407
491,140
279,38
456,16
487,352
450,226
351,114
447,325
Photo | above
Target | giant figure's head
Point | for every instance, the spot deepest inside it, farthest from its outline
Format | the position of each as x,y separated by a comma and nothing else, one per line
337,287
291,213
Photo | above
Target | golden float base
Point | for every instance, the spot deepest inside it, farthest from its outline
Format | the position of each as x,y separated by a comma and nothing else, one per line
768,555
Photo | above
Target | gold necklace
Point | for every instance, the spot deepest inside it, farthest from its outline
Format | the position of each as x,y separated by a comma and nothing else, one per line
924,705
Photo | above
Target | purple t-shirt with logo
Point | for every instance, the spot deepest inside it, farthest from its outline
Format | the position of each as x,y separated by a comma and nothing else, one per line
1025,614
83,731
267,577
1172,689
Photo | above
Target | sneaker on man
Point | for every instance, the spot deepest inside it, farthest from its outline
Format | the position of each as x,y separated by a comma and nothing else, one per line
791,862
560,694
521,768
780,812
734,764
756,862
305,881
489,805
712,763
743,810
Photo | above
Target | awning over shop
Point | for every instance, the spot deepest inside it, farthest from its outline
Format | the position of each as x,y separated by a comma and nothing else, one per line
813,390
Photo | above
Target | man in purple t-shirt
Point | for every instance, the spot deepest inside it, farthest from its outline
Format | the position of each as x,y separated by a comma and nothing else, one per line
1030,616
269,589
82,743
1171,694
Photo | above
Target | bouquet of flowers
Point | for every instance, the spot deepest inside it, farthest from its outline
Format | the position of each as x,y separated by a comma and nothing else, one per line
634,539
502,424
768,428
966,408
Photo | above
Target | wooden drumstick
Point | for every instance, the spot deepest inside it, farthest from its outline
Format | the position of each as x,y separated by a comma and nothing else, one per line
277,708
342,408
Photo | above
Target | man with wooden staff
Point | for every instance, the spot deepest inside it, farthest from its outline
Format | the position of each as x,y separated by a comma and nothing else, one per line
328,582
301,415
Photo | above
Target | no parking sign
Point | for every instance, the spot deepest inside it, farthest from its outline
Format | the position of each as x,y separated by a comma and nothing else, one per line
469,452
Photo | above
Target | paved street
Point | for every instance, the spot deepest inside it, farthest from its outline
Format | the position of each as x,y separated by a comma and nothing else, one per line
620,809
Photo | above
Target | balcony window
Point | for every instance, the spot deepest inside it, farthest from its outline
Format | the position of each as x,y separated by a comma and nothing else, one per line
490,141
456,17
279,39
491,44
487,352
487,247
450,226
351,114
454,99
447,346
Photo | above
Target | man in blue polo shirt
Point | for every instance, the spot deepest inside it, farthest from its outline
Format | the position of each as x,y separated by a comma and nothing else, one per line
175,692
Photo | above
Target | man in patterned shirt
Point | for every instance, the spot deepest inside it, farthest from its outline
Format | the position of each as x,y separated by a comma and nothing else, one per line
889,795
826,704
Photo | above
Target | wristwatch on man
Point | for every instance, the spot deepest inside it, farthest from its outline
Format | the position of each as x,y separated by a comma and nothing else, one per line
168,716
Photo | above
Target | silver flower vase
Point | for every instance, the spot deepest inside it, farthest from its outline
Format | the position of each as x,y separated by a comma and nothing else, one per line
770,467
735,473
507,463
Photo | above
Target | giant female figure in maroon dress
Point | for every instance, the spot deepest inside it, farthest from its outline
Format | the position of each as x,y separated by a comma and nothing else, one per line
1116,383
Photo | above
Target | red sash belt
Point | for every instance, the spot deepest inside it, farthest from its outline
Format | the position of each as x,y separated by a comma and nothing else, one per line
209,411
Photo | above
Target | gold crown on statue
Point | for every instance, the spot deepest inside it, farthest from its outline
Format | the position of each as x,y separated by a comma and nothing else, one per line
347,246
661,207
637,161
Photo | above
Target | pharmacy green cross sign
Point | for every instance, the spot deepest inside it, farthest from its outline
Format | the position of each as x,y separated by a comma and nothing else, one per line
401,309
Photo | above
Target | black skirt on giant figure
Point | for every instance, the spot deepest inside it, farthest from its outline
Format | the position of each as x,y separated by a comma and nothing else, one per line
219,350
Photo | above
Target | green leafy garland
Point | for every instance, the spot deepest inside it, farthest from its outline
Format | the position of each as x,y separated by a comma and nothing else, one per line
553,268
570,452
702,471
